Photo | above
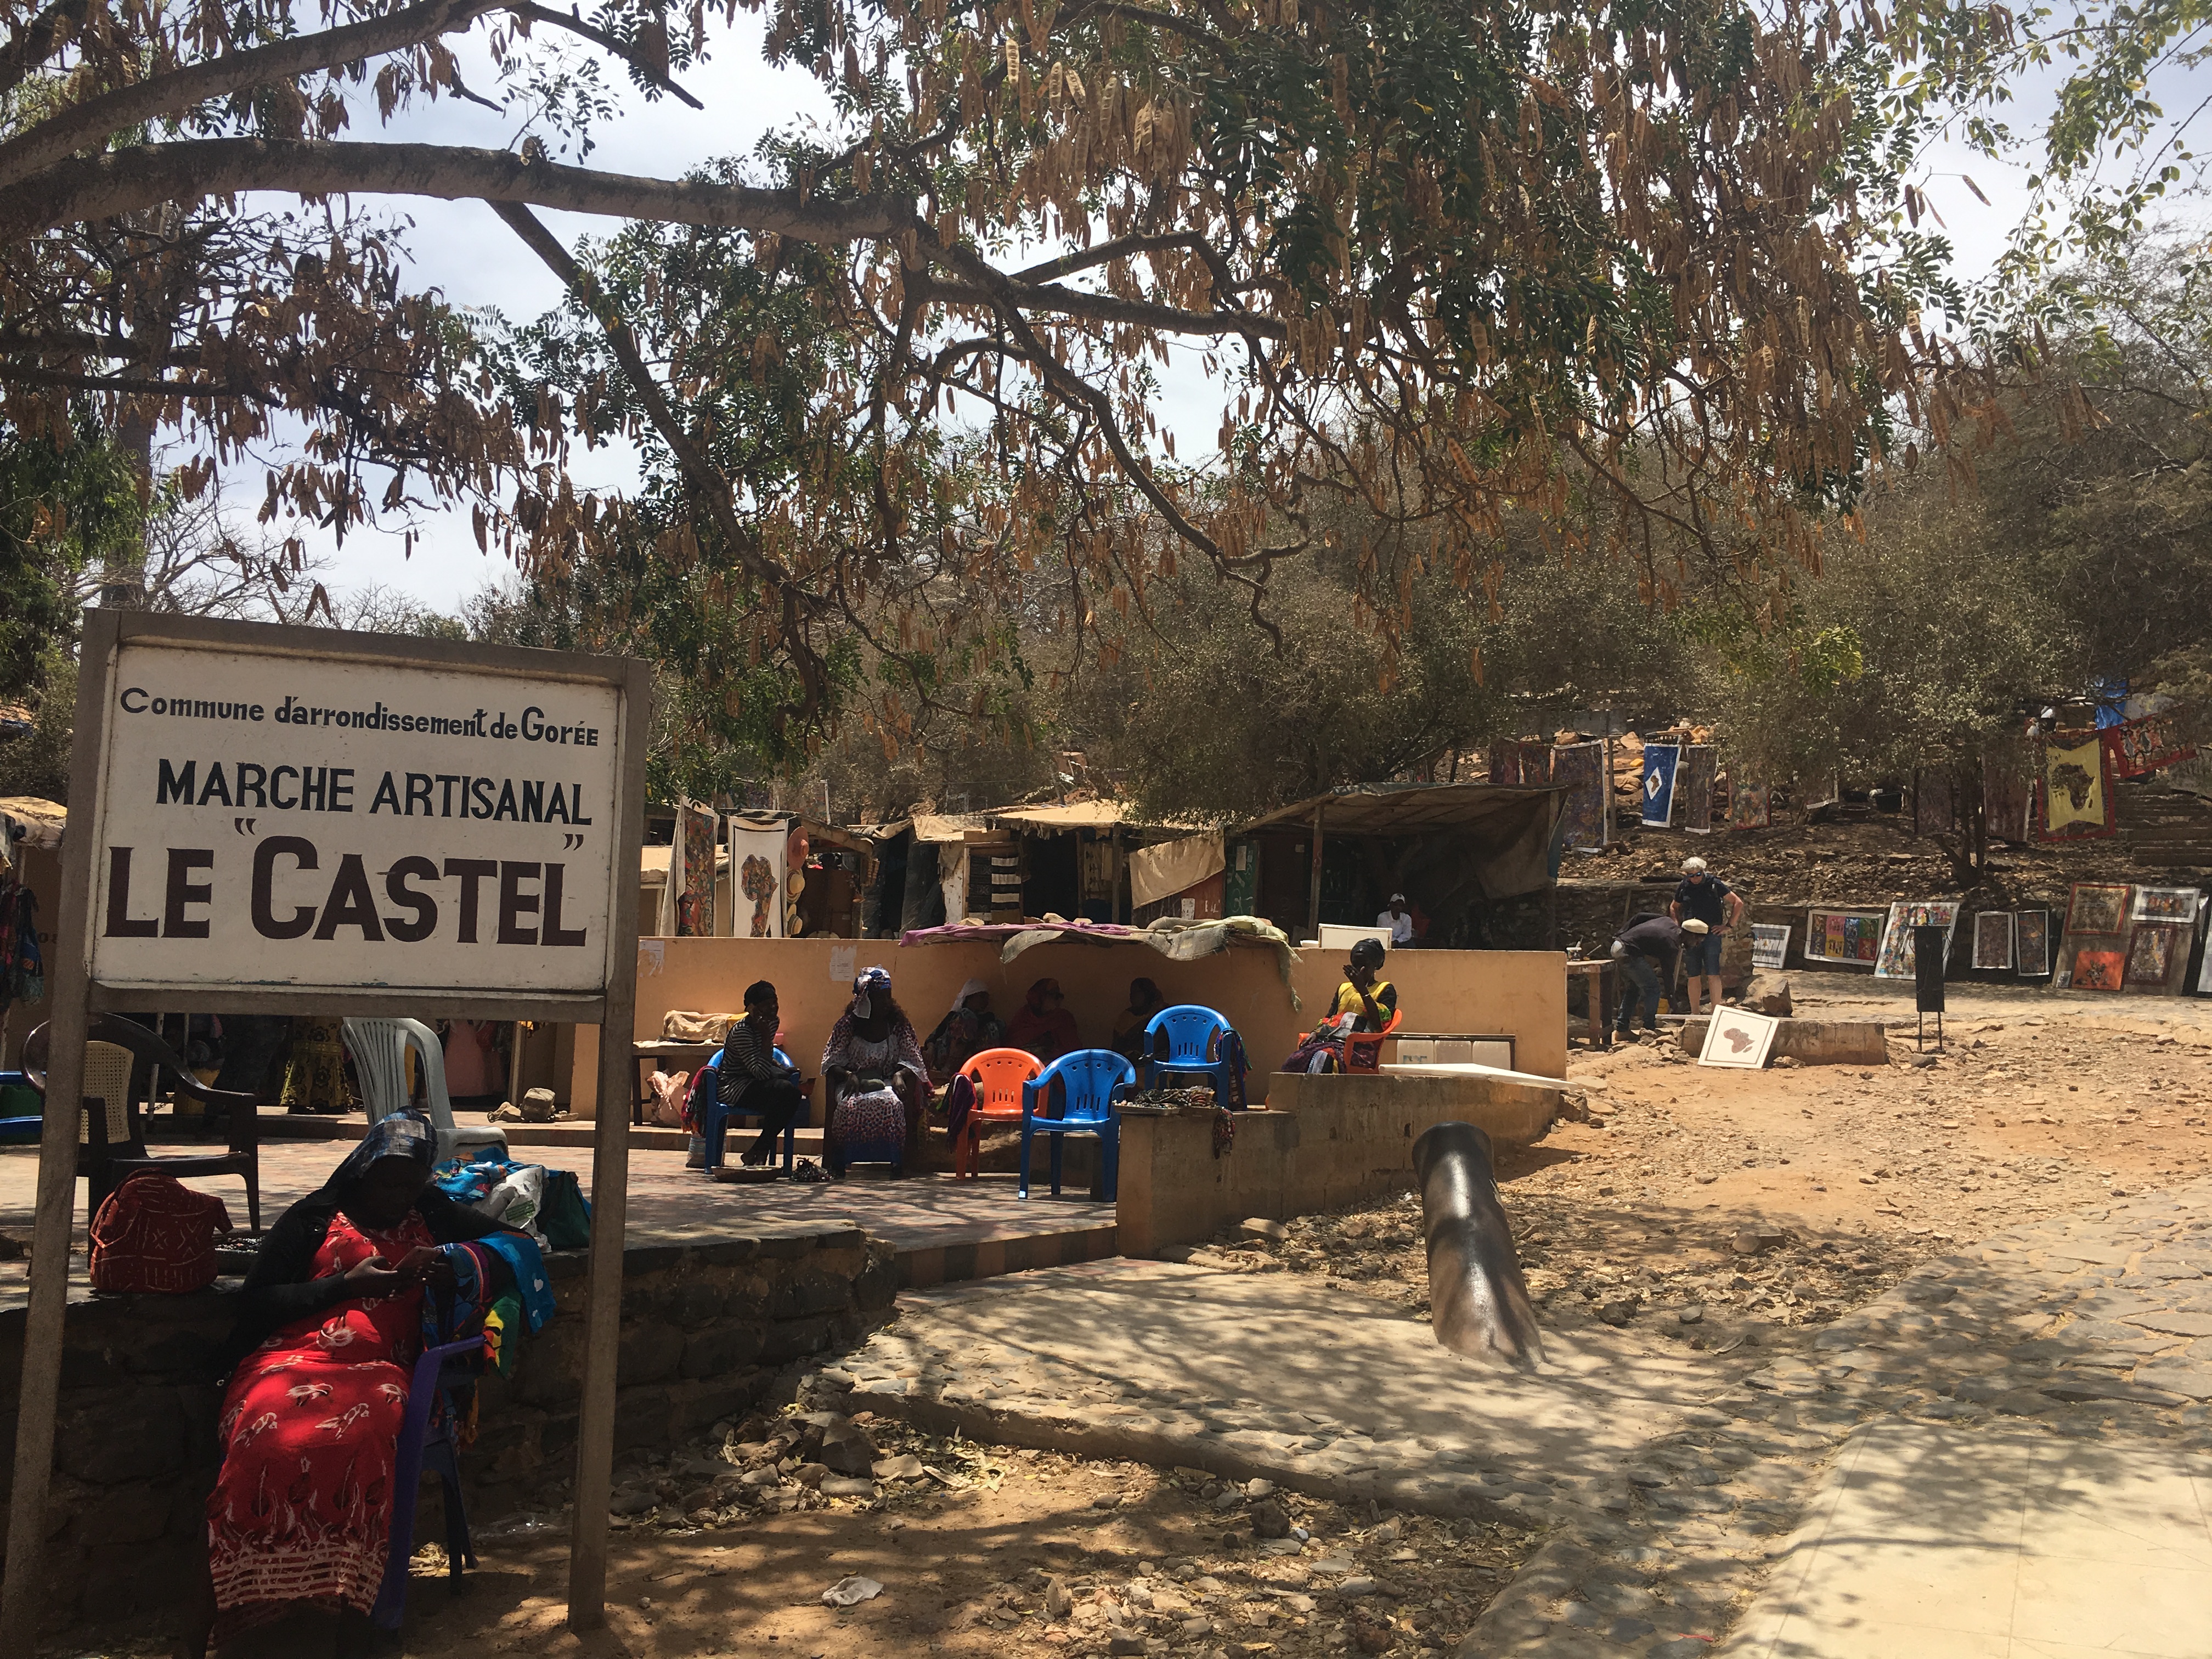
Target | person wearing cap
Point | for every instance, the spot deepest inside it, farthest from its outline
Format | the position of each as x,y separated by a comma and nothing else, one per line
1703,897
1645,950
1042,1025
969,1029
1399,920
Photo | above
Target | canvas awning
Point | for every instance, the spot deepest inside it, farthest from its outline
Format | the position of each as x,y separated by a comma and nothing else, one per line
1508,824
42,821
1174,937
1170,867
939,828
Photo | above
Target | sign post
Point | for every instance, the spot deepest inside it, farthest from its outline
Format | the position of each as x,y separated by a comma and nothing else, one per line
281,820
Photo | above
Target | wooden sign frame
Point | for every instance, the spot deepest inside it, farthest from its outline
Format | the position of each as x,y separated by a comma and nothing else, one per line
76,995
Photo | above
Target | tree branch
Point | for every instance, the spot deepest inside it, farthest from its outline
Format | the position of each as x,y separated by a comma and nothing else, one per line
1119,247
87,125
652,72
105,186
1106,308
37,43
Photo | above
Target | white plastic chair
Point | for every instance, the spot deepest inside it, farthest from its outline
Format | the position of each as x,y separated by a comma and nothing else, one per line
379,1056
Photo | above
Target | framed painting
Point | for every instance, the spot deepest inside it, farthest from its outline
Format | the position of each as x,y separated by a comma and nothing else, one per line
1993,939
1769,944
2030,950
1661,763
1846,936
1895,957
2098,967
1750,806
2141,746
1738,1038
2094,908
1694,778
2151,953
2166,904
1586,813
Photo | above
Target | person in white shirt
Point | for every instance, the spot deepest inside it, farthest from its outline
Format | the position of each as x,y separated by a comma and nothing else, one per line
1398,920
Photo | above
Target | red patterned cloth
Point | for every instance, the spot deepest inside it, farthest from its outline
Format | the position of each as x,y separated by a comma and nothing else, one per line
302,1510
156,1235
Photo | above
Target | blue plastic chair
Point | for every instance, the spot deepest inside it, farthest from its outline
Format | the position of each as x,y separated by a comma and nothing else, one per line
715,1117
1185,1039
1090,1080
418,1447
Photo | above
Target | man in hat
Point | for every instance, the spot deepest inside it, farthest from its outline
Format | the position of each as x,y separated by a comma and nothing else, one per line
1399,920
1703,897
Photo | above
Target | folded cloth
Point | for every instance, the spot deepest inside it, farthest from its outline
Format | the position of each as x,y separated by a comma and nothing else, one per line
470,1181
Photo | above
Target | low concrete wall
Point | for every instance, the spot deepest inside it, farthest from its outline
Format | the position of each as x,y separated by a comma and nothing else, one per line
704,1330
1321,1142
1811,1041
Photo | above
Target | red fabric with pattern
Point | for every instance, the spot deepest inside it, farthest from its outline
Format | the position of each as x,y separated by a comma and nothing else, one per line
156,1235
302,1510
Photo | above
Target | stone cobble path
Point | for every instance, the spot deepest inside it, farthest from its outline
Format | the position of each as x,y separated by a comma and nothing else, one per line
1669,1489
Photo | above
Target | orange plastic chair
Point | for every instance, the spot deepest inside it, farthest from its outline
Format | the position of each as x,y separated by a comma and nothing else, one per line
998,1075
1363,1050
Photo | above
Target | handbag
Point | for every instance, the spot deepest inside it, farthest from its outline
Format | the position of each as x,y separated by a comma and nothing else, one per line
564,1217
156,1235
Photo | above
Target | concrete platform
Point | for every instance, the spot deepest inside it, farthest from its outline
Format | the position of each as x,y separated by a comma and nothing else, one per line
1810,1042
941,1228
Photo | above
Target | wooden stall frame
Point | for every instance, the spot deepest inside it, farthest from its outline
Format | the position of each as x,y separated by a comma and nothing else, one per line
76,996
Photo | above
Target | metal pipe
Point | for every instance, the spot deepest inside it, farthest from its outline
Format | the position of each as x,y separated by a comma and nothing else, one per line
1478,1301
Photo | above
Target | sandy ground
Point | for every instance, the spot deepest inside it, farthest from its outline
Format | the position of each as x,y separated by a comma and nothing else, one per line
1711,1208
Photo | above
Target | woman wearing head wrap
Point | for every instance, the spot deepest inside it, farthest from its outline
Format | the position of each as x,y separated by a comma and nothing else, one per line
301,1517
1042,1025
1144,1001
969,1029
873,1074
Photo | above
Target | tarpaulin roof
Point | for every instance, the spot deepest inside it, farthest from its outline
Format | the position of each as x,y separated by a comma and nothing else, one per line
43,821
1046,818
1171,936
1511,823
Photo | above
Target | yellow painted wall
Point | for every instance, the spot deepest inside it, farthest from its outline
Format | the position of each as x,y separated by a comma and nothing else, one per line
1523,992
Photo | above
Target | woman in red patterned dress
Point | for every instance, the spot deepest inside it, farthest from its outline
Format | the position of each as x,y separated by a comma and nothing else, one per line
299,1521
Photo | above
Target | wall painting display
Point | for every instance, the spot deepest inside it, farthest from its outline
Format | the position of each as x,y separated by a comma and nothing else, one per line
1585,811
1993,945
1847,936
2144,745
2098,967
1738,1038
2094,908
1769,944
1661,763
2151,952
2165,903
1750,807
2031,943
1693,788
2008,789
2074,789
1896,956
1505,762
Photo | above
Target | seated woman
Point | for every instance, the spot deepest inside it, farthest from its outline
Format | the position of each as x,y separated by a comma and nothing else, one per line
872,1073
1144,1001
1042,1025
1365,1001
299,1521
752,1079
969,1029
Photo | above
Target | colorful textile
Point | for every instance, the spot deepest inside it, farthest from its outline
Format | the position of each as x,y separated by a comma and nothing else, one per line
1693,788
2139,746
1506,762
1585,814
314,1070
872,1122
301,1511
2074,789
1662,760
471,1182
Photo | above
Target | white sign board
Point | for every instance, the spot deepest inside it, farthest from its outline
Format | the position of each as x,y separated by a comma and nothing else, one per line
271,820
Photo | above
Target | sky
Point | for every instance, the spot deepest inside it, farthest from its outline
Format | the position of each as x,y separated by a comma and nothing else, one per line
461,248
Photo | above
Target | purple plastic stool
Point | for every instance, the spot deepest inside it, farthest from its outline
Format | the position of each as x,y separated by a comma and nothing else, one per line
416,1447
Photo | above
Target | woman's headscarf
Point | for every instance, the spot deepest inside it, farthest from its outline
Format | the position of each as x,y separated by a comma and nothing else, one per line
874,983
403,1134
973,988
1038,992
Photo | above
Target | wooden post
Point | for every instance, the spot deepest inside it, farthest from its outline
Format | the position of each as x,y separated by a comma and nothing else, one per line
595,1425
24,1580
1313,891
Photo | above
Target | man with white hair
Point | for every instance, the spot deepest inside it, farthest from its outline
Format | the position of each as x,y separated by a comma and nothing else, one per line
1703,896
